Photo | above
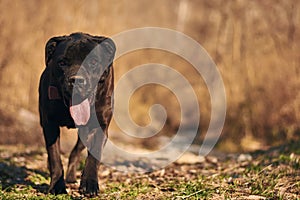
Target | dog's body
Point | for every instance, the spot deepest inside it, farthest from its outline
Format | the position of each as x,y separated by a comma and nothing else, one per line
78,77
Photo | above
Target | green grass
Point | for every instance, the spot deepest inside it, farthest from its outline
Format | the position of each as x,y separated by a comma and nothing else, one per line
27,192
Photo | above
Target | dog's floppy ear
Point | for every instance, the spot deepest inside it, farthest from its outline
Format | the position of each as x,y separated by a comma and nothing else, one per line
51,46
108,46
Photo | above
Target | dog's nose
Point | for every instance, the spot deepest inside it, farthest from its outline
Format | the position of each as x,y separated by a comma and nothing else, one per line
78,80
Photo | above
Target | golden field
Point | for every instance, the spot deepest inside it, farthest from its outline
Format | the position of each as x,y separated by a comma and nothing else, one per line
255,45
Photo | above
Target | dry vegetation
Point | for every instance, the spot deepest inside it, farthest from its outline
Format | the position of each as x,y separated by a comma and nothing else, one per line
272,174
254,43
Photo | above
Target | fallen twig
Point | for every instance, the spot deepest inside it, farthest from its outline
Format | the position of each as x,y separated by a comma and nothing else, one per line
187,196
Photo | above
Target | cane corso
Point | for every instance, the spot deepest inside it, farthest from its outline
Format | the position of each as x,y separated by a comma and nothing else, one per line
76,91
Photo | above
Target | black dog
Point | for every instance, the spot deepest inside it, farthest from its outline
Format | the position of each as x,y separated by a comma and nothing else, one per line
76,90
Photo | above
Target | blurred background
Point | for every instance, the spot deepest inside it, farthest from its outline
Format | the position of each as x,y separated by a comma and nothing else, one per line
255,45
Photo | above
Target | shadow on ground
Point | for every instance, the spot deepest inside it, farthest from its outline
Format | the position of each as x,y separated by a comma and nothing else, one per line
13,176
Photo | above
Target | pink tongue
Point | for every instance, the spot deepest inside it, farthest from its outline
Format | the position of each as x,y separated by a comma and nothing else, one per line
81,112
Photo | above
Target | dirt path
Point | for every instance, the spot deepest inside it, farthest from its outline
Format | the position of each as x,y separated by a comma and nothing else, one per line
272,174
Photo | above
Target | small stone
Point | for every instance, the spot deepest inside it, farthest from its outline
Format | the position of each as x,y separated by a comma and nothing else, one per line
212,159
244,157
190,158
105,172
229,180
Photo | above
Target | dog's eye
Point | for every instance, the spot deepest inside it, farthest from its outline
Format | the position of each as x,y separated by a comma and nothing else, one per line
62,63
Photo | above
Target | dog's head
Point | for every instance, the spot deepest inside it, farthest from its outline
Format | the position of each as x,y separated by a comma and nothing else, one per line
79,62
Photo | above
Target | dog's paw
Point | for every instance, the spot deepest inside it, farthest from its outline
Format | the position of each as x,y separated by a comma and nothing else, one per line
59,187
89,187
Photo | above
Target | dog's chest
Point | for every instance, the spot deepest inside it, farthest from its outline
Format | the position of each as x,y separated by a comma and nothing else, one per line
59,113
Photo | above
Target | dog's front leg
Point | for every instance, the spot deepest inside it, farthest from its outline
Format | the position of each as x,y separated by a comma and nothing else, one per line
95,142
73,160
89,178
51,134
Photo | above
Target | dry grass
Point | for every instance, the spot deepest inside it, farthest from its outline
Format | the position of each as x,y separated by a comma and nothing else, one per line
254,44
272,174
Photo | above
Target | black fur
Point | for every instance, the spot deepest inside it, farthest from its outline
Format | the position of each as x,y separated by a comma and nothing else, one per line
65,55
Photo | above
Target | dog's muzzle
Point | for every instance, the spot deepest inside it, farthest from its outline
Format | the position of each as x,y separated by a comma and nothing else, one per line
80,81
